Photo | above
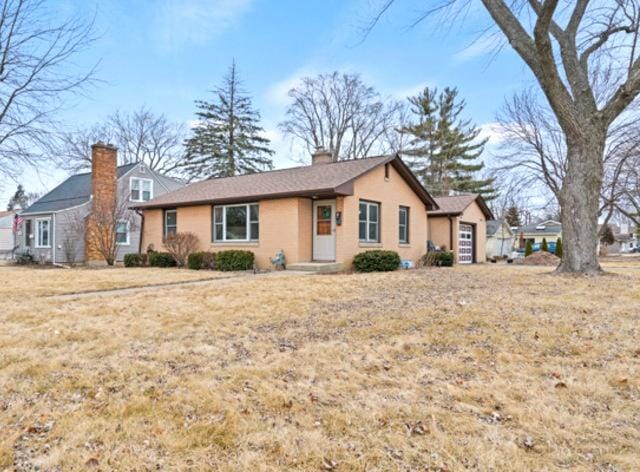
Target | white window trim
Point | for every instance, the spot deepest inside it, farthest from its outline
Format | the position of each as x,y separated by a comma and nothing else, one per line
404,208
128,242
37,233
141,180
165,233
224,223
368,222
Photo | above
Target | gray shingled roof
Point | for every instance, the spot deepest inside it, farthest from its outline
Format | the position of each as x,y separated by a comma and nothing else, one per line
74,191
323,179
550,228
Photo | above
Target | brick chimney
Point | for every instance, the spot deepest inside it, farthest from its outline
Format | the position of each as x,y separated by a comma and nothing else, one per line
321,156
104,161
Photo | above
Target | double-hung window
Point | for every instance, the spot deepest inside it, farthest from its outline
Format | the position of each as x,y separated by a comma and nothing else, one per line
43,227
369,222
170,222
403,225
236,222
122,233
141,190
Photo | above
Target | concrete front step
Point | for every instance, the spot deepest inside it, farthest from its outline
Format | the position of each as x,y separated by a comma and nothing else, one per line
317,267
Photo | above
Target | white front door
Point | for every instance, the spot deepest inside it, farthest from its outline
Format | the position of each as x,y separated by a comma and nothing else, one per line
465,244
324,231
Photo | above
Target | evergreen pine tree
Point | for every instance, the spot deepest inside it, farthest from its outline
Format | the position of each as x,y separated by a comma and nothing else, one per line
444,148
512,216
18,200
227,140
558,251
544,246
528,250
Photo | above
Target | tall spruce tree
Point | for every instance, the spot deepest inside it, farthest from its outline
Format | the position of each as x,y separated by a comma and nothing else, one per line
512,215
227,140
444,148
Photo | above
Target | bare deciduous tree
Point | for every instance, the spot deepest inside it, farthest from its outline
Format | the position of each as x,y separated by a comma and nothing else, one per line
74,227
140,136
102,227
584,55
37,75
535,153
341,114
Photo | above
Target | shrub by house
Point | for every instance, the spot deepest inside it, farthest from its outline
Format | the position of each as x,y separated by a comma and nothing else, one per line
376,261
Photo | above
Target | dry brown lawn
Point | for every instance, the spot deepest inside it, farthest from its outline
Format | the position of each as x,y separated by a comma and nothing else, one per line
481,368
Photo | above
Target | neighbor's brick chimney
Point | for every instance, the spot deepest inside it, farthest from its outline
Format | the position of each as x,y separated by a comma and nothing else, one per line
321,156
104,161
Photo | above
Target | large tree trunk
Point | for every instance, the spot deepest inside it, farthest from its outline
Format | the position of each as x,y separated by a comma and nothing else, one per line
579,202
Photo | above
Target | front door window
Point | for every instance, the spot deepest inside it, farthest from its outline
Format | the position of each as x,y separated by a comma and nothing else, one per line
323,220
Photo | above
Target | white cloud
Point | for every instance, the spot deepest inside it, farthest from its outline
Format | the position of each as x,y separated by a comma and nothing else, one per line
181,22
411,91
494,132
277,94
480,47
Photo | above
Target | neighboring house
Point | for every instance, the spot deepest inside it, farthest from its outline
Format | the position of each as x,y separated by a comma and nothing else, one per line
54,227
500,238
325,212
7,240
625,239
460,225
550,230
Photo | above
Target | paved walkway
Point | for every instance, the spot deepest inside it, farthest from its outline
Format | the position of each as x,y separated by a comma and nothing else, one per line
184,283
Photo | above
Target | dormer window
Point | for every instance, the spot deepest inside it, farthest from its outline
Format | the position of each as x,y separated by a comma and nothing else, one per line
141,190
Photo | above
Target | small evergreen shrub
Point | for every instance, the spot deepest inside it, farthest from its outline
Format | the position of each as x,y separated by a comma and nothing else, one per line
558,251
544,246
234,260
376,261
202,261
528,250
438,259
161,259
135,260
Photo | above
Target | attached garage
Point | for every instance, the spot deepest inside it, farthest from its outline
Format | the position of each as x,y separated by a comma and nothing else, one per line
460,225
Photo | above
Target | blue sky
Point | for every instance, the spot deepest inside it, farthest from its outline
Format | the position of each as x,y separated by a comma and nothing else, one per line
164,54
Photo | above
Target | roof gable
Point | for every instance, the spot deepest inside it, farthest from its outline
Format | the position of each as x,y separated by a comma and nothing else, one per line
316,180
456,204
494,226
74,191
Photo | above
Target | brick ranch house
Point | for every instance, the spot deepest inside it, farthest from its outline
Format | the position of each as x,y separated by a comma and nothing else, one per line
460,224
54,229
325,212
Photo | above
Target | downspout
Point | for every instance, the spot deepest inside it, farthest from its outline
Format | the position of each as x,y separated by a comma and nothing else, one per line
141,215
53,237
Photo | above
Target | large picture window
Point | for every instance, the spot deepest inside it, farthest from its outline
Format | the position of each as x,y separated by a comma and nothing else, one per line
369,222
141,189
44,233
403,225
236,222
170,222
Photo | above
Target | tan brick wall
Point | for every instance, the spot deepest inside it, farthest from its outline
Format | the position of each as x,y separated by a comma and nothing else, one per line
391,193
439,230
282,226
103,190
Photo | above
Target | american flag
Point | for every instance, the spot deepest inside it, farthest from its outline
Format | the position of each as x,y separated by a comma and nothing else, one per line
17,222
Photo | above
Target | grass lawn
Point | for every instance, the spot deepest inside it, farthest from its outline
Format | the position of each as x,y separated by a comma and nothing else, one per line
483,368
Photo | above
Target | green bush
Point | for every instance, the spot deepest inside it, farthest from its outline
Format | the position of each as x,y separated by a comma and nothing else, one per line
544,246
202,261
376,261
528,250
234,260
135,260
161,259
558,251
438,259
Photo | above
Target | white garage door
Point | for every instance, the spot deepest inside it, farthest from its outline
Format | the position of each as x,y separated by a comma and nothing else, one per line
465,246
